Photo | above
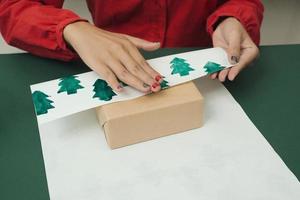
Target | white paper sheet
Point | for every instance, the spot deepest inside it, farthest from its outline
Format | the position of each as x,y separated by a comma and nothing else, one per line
226,159
63,104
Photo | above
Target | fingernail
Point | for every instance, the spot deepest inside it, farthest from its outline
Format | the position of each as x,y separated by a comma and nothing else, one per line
155,85
158,77
119,88
234,60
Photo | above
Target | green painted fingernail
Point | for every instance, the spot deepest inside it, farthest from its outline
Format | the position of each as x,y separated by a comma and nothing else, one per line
145,85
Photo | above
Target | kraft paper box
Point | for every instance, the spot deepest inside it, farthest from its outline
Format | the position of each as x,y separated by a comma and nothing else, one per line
170,111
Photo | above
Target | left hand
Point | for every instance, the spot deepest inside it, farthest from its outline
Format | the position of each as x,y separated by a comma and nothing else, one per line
232,36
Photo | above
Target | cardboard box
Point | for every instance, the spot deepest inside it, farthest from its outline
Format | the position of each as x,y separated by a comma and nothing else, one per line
170,111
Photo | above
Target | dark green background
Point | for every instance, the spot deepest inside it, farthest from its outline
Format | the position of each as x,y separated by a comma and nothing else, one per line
268,91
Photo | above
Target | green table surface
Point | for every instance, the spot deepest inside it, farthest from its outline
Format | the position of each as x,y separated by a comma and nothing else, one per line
268,91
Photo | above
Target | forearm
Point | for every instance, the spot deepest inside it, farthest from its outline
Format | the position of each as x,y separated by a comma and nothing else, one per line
36,28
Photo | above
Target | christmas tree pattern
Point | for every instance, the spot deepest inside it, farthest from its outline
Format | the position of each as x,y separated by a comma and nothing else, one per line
41,102
102,90
212,67
180,66
164,84
69,84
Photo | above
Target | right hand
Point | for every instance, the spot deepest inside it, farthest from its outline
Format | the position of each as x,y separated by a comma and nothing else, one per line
114,56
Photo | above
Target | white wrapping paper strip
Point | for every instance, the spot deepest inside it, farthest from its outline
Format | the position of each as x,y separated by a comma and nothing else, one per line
53,102
227,159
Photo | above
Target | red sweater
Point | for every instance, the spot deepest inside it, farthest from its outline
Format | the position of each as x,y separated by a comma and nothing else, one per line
37,25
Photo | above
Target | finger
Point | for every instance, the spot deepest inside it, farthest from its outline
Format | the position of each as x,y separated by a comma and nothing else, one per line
139,72
214,75
143,44
103,70
223,74
157,76
234,46
144,64
247,56
135,69
125,76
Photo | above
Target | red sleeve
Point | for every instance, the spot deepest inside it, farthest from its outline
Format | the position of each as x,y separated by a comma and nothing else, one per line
248,12
37,28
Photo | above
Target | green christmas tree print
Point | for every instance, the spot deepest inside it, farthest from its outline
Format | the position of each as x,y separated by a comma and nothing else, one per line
164,84
212,67
41,102
69,84
180,66
102,90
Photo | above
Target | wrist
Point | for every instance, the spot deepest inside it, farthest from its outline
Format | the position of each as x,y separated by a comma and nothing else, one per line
221,20
73,30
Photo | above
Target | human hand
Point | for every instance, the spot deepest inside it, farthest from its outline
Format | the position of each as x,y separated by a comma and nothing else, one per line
114,56
232,36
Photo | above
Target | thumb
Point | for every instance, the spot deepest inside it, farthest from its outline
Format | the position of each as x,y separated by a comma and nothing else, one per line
143,44
248,55
234,49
